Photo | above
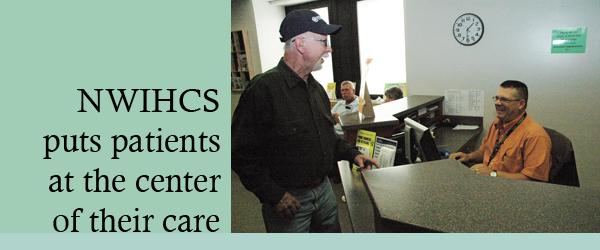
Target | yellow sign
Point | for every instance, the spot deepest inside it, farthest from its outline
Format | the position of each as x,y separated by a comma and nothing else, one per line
331,90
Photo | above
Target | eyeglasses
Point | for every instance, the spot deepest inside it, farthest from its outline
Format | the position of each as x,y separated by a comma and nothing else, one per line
324,41
503,100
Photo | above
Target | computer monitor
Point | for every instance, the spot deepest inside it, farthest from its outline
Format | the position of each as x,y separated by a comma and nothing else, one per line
418,136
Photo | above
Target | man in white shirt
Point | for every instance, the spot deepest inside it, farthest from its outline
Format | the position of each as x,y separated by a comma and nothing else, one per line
346,106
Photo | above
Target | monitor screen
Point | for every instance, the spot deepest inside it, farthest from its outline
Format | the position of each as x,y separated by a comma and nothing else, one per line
419,137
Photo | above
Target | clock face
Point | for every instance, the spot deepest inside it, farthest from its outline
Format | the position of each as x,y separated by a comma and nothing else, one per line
468,29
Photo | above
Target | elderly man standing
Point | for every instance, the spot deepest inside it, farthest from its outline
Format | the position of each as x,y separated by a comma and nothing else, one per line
283,142
516,146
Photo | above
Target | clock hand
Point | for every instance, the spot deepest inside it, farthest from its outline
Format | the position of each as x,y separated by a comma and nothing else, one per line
470,26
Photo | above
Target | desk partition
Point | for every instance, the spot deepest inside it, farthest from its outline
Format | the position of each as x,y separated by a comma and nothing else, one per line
381,125
389,117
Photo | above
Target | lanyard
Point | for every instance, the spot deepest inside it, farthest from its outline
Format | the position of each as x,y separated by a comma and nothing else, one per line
498,144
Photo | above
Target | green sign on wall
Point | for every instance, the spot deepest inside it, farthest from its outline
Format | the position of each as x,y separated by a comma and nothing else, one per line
569,40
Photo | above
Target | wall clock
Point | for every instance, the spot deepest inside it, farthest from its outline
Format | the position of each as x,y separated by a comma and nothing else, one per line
468,29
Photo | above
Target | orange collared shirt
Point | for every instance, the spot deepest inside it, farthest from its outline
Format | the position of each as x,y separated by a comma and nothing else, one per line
526,150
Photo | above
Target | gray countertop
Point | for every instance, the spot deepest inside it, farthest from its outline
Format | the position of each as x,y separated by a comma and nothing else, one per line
446,196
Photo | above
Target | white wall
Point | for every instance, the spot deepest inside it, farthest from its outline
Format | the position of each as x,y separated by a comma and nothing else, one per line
268,19
262,21
563,88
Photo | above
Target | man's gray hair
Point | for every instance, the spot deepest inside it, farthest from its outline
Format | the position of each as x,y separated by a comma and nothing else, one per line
289,44
394,92
348,83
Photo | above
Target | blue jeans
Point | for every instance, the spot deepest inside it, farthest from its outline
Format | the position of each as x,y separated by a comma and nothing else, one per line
318,212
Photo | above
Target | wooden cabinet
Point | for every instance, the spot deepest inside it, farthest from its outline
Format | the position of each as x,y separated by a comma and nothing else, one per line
242,69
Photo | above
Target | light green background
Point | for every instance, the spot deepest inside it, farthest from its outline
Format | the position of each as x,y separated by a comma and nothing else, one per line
569,40
49,49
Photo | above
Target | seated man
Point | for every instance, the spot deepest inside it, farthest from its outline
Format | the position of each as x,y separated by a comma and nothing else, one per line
393,93
346,106
516,146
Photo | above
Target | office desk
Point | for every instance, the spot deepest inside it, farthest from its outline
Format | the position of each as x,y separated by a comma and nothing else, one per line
423,109
445,196
458,140
357,199
390,116
408,106
332,103
382,125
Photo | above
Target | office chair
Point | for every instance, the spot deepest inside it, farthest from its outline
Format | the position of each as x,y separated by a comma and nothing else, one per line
563,170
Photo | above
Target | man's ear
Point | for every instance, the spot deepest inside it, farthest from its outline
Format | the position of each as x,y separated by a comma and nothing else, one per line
522,103
300,45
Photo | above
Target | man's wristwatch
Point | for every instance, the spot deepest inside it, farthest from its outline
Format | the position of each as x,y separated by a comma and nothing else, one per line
494,173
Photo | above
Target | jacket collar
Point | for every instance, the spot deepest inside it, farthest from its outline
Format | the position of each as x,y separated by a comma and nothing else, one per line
291,78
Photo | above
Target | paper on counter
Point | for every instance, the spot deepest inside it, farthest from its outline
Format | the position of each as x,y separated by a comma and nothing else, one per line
465,127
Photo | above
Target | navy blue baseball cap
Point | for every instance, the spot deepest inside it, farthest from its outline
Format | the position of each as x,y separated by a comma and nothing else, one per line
300,21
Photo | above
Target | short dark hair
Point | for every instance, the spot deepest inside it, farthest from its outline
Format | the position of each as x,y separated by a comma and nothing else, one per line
394,92
522,92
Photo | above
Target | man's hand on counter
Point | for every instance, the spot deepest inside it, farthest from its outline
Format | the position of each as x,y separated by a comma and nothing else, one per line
365,162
